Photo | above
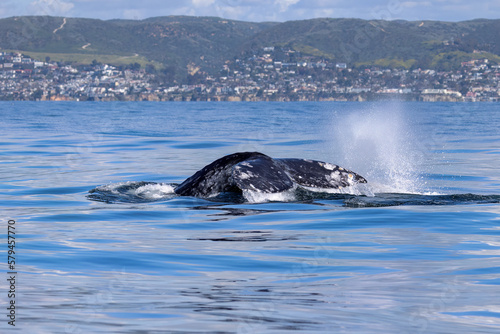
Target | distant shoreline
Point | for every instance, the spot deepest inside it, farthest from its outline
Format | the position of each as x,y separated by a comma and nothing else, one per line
242,101
180,58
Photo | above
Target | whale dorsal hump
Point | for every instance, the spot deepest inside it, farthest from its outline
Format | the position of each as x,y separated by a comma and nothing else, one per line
258,172
215,177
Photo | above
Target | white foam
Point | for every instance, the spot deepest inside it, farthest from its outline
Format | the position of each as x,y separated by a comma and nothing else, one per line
113,187
261,197
155,191
360,189
151,191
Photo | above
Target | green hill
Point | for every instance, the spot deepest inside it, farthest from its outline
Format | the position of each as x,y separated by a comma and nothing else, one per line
192,43
426,44
173,41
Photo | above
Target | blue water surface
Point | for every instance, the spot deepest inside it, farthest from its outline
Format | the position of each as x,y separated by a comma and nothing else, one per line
419,253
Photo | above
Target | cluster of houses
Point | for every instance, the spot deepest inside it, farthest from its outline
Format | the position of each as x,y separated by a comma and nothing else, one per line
269,75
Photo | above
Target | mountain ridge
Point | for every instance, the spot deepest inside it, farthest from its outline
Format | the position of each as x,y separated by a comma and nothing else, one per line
206,43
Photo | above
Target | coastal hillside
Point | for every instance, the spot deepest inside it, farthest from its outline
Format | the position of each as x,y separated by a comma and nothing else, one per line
424,44
190,44
174,41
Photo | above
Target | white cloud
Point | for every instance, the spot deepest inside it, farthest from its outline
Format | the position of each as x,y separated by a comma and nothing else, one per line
412,4
231,12
202,3
183,11
284,4
50,7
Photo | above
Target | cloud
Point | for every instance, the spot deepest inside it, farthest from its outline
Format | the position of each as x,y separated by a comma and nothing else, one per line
50,7
284,4
202,3
413,4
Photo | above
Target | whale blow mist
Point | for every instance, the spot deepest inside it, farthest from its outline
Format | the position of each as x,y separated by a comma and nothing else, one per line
380,143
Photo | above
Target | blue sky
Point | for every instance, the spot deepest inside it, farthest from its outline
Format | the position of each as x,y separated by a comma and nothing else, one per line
258,10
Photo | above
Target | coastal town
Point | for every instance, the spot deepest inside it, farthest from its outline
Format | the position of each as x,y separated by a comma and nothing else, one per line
271,74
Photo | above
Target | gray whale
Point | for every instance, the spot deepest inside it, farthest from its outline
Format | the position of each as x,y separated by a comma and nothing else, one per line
254,171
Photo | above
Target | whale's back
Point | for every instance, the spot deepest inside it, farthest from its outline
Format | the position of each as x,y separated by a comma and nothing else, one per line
257,172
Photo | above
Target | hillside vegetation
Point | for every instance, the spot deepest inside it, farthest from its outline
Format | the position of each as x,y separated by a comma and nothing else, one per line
205,43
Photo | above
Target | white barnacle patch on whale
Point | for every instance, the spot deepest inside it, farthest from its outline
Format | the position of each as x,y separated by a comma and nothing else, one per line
329,166
246,175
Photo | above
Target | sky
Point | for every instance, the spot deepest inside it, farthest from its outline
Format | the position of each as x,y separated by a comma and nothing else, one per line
259,10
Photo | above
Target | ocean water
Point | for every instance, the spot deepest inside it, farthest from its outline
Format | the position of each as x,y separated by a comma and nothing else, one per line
416,251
